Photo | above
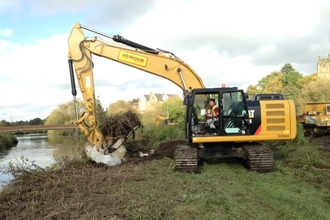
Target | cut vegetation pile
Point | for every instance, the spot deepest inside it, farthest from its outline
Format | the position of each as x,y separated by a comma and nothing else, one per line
120,124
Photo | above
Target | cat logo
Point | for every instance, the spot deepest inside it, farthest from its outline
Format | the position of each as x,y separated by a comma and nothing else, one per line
251,115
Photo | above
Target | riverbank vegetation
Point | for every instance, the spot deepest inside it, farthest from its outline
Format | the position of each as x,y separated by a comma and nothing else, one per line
7,141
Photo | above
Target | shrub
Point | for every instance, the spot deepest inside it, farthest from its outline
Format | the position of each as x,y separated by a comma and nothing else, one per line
7,141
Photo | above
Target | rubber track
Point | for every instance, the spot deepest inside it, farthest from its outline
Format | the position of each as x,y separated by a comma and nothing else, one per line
259,158
186,159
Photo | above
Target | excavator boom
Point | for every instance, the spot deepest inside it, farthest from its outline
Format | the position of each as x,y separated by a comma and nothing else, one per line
158,62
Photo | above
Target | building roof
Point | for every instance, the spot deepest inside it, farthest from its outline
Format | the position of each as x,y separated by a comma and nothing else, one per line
159,96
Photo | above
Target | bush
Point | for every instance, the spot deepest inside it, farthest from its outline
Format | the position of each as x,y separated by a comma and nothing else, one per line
7,141
152,136
168,132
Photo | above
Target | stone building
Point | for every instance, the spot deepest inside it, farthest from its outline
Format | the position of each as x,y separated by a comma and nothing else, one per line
323,67
146,101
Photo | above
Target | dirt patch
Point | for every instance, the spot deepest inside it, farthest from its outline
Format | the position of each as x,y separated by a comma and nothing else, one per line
167,149
322,140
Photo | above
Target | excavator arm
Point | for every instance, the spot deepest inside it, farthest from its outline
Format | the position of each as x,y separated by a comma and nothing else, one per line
155,61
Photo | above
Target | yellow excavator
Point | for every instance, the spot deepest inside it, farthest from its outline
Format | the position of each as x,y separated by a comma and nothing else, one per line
162,120
238,130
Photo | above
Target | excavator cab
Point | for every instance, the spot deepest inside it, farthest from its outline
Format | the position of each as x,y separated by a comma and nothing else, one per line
232,120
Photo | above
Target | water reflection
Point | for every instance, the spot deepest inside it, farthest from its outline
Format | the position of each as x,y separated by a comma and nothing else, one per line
40,149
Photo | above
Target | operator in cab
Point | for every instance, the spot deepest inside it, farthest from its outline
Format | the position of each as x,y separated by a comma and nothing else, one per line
213,111
210,117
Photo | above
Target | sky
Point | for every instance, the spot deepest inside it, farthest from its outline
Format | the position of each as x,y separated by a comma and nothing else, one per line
226,42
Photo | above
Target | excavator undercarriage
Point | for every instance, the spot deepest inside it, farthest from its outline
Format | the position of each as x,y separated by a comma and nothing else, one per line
256,157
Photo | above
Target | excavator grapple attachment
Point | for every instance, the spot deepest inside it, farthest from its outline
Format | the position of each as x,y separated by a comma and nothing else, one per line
112,159
114,154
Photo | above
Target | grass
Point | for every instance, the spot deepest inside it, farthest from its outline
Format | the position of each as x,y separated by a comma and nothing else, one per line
151,189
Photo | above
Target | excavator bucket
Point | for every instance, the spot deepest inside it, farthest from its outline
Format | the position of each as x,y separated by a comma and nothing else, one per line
117,149
114,131
113,159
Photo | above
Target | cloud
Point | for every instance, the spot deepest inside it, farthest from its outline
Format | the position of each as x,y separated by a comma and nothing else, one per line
226,42
99,13
271,33
37,79
13,4
6,32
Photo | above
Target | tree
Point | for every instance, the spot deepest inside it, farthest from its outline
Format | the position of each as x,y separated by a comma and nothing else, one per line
100,112
293,93
274,85
149,116
120,106
252,90
175,108
35,121
306,79
22,122
65,113
3,123
135,101
315,91
292,78
287,68
274,76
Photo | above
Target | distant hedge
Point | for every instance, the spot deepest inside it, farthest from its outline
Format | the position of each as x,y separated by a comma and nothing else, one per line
7,141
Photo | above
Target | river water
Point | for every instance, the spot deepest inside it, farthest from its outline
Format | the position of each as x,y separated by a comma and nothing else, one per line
40,149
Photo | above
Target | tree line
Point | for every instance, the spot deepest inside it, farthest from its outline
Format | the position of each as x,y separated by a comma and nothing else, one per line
35,121
65,113
293,85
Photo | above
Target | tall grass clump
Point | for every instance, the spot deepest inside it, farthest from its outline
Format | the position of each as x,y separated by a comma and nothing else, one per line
152,135
302,153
